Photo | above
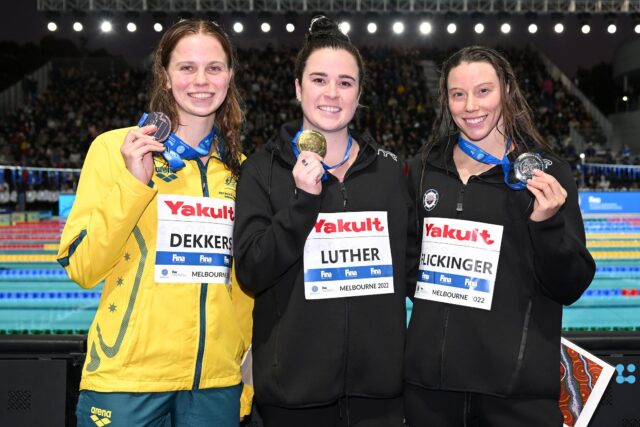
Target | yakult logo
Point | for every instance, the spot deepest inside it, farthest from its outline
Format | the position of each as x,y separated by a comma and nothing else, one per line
447,232
342,226
184,209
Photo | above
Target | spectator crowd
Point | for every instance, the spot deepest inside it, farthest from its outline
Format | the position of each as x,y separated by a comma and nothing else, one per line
56,128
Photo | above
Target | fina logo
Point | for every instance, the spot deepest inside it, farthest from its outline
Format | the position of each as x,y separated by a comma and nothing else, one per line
595,200
430,199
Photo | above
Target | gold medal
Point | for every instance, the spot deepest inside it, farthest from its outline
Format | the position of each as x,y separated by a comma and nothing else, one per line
314,141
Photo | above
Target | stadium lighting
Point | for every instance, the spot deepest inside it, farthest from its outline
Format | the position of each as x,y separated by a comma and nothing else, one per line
372,27
452,28
558,22
398,27
345,27
582,156
610,19
477,19
584,21
503,19
77,26
531,18
625,98
132,27
238,27
159,21
52,26
290,27
425,27
637,29
265,27
106,26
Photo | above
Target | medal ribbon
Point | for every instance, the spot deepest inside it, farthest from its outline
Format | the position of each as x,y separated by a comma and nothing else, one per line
480,155
326,167
176,149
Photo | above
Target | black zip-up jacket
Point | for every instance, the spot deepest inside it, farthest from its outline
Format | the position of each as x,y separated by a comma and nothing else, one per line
309,353
513,349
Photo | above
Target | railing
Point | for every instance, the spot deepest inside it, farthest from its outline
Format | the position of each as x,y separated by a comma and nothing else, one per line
19,176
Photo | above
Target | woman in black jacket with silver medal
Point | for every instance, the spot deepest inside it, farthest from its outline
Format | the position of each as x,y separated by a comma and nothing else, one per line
502,250
321,240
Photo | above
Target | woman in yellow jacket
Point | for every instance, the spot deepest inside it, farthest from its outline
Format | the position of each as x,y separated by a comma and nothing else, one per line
154,220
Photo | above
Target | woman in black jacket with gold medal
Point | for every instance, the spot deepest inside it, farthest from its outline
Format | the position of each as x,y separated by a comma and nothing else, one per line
502,250
321,240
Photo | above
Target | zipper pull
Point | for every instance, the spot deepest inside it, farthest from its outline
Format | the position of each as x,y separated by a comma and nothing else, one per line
460,197
345,198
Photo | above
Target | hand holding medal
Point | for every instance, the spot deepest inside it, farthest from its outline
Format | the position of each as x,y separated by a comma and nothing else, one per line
161,122
140,144
308,170
550,195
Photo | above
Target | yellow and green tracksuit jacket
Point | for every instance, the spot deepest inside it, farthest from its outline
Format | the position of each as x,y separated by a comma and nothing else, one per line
149,337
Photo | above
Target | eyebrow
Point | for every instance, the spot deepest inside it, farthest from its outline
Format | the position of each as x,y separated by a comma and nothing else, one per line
479,84
194,62
340,76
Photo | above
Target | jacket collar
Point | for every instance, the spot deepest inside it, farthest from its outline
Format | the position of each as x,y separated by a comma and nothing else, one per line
441,156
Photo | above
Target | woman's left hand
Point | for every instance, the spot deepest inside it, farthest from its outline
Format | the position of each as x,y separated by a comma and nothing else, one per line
549,194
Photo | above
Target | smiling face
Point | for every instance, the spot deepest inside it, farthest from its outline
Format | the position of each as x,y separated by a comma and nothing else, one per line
475,102
329,90
198,77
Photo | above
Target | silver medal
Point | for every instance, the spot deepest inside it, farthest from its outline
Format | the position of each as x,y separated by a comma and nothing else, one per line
525,164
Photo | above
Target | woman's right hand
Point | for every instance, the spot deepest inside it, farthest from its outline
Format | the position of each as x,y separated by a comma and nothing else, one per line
308,172
137,150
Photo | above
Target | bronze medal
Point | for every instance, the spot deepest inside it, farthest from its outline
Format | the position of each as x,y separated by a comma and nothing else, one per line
163,123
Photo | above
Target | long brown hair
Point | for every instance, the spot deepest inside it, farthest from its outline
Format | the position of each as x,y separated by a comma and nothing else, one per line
229,116
516,113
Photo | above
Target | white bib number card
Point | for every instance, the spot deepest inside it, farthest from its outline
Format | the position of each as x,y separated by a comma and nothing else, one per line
194,239
348,254
459,262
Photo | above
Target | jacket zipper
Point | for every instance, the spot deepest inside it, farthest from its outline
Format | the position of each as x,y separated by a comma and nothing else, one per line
447,310
345,199
203,293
